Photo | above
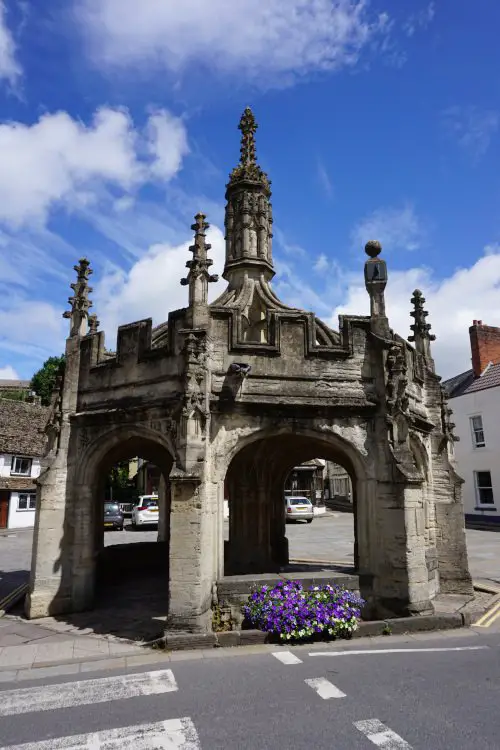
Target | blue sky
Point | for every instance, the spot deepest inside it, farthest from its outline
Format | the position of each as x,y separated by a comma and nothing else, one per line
377,120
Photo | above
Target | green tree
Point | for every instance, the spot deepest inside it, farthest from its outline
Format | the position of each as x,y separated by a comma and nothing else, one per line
44,380
118,486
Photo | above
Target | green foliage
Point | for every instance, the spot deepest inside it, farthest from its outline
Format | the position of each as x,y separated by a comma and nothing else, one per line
44,380
387,630
118,485
14,395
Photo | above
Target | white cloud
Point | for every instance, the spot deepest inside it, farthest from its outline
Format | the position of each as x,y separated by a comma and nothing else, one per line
10,69
32,328
273,38
151,288
290,248
472,128
453,303
395,228
321,264
292,288
420,20
61,161
8,373
168,143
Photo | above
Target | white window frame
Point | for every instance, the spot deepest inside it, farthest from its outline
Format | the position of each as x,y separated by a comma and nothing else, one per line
477,432
13,467
478,490
30,501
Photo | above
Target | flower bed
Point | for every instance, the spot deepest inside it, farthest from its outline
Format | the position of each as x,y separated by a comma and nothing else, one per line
294,613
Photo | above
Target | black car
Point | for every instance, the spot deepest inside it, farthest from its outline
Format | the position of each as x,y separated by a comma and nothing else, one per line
113,517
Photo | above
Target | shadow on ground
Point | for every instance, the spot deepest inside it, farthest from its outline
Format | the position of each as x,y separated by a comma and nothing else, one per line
10,580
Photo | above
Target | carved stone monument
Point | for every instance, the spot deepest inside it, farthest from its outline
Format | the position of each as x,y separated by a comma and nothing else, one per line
233,395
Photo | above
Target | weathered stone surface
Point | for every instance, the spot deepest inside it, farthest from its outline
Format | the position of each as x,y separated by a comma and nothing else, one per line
225,398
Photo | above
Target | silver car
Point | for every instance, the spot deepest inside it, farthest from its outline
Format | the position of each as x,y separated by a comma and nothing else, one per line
299,508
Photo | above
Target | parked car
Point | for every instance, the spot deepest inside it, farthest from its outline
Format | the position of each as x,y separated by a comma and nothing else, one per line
113,517
145,513
127,508
299,508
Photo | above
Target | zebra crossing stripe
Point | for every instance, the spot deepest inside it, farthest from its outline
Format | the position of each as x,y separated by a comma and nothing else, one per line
86,692
174,734
324,688
286,657
381,736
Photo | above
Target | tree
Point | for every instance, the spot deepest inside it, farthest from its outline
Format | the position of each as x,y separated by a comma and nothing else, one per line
43,381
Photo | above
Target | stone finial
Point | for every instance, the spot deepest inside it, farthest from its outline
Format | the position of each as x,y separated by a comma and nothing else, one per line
375,283
94,323
373,248
200,262
421,329
248,127
199,277
248,169
79,301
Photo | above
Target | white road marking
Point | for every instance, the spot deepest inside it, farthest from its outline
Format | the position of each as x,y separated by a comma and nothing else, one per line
286,657
86,692
174,734
381,736
396,651
324,688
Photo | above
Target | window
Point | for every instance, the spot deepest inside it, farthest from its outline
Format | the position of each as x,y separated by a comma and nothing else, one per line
477,432
484,490
26,502
21,466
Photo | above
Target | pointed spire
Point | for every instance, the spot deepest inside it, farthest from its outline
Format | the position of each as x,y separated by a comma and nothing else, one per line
79,301
421,329
248,170
248,128
198,277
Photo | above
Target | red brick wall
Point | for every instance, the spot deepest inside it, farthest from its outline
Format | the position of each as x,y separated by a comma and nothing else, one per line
484,345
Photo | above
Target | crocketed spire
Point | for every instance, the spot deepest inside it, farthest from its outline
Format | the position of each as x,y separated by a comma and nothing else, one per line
248,170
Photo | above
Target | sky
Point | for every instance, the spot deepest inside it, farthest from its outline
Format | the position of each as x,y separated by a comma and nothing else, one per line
118,122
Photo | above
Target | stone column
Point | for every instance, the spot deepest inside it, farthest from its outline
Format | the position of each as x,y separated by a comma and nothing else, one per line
86,547
164,510
453,564
192,568
250,509
51,564
50,582
399,576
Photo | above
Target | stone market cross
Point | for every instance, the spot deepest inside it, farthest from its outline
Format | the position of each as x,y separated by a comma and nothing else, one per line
235,394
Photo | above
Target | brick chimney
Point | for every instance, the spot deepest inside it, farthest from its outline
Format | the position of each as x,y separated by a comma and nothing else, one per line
484,345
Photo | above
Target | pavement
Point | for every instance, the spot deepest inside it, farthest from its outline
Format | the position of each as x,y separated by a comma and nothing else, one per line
417,692
98,637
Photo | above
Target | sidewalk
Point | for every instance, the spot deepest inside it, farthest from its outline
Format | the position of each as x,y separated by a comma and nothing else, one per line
34,649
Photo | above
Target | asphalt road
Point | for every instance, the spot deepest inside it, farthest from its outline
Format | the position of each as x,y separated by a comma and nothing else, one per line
329,537
248,699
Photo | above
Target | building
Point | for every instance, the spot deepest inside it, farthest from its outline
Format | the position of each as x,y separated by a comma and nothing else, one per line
14,385
307,480
237,393
22,444
475,399
338,487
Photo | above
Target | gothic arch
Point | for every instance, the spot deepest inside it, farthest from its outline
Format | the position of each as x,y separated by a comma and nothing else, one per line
108,447
256,467
120,442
